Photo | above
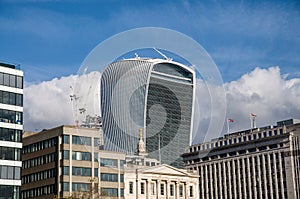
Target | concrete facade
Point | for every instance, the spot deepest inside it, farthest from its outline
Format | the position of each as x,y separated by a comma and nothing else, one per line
60,161
257,163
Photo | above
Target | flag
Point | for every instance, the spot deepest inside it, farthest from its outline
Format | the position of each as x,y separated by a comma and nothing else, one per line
253,115
229,120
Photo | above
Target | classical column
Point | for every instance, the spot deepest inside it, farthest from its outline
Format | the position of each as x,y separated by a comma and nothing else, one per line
177,189
148,192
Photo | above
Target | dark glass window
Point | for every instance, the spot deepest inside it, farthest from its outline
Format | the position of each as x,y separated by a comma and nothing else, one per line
9,153
81,171
108,162
65,186
112,192
10,135
65,139
65,170
66,154
81,140
9,116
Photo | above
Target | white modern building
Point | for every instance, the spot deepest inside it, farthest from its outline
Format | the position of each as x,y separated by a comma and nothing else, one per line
154,94
11,126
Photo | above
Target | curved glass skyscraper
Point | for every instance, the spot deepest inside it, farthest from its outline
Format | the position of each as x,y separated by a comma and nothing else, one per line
153,94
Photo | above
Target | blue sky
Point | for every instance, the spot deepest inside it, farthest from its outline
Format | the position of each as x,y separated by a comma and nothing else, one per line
51,38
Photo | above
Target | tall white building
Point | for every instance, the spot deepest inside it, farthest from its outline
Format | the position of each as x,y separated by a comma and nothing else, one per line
11,126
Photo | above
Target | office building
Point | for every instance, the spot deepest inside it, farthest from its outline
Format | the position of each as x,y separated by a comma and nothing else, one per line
61,162
256,163
153,94
11,126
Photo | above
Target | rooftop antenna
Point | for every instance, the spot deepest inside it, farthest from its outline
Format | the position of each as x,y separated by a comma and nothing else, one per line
163,55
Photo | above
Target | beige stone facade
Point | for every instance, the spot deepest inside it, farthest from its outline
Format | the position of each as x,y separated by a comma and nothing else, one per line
258,163
60,161
160,182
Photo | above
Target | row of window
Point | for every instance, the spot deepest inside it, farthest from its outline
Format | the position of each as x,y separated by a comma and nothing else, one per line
45,159
9,153
11,135
11,80
42,175
9,116
80,140
10,172
11,98
80,171
39,191
112,192
77,155
162,189
235,140
236,153
40,145
9,191
109,177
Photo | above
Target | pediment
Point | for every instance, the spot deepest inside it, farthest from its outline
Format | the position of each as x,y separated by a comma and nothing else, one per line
164,170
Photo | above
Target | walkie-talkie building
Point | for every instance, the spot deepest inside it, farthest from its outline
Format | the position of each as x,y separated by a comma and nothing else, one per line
153,94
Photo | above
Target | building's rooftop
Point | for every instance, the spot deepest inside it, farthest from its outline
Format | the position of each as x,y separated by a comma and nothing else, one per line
12,66
244,136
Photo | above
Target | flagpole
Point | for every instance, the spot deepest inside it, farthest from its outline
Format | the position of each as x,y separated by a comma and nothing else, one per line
227,126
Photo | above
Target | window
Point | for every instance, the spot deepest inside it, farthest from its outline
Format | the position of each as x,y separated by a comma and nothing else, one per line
142,188
65,170
80,186
108,162
9,153
10,172
11,135
131,187
81,171
162,189
171,190
96,142
180,191
113,192
108,177
81,140
65,139
191,191
9,116
152,189
96,172
66,154
65,186
76,155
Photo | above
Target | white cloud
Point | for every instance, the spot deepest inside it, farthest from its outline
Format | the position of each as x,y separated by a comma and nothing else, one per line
48,104
265,92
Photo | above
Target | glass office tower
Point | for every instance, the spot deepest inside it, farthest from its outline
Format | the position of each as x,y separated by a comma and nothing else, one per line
11,125
153,94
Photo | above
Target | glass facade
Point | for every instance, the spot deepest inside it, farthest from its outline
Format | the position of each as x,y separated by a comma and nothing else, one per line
134,88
